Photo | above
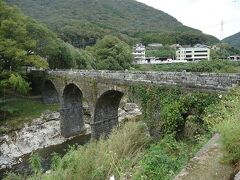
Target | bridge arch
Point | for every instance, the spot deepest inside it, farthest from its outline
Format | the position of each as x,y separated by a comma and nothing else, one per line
106,113
49,93
72,122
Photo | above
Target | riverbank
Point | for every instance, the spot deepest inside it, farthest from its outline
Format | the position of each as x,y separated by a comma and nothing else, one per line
43,132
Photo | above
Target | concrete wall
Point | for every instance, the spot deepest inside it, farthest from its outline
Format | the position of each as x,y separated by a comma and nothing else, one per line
103,90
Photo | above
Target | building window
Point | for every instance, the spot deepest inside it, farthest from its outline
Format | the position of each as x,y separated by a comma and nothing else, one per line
200,55
205,51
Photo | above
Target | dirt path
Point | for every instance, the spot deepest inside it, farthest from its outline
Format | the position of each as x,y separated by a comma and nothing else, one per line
206,164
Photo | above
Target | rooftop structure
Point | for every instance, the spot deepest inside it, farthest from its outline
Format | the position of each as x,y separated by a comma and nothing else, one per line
200,46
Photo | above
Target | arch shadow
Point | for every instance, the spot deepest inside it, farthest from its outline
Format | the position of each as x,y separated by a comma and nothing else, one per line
49,93
72,122
106,113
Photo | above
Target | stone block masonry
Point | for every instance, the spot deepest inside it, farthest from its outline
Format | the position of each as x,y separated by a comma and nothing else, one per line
103,90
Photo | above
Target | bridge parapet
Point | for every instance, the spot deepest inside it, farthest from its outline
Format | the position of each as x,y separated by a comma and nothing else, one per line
207,81
103,90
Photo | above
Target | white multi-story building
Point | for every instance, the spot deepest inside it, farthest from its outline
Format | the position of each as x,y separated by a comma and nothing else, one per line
139,54
193,54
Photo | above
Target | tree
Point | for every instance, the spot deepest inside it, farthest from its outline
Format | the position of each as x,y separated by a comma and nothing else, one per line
111,53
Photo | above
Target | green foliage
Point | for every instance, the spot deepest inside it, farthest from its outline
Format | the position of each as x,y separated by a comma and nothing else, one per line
224,52
233,40
13,176
183,37
5,109
161,52
163,160
19,83
75,22
56,159
224,118
165,110
17,46
14,112
35,162
217,66
111,53
104,158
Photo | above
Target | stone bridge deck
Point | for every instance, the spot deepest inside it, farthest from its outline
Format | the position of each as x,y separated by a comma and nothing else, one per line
103,91
205,81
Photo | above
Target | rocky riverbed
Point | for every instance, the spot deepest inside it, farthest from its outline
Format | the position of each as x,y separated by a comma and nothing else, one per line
43,132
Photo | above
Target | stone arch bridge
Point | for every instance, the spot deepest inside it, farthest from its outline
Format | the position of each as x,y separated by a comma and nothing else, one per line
103,91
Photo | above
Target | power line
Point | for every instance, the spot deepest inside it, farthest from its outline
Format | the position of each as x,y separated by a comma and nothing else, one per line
219,24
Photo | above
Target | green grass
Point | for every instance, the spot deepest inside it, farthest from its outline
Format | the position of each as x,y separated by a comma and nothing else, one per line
224,118
202,66
126,154
24,111
164,160
101,159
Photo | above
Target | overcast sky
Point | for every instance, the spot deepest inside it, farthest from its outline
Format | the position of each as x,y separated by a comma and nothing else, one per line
205,15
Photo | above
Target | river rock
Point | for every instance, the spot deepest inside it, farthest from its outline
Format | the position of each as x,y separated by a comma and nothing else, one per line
43,132
237,176
48,115
130,107
129,111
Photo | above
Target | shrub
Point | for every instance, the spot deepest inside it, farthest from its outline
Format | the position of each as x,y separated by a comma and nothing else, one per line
104,158
224,118
35,162
163,160
165,110
217,66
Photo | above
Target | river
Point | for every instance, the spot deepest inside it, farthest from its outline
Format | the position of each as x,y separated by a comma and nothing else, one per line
46,155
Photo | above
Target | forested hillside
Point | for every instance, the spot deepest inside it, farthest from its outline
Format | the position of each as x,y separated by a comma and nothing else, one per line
82,22
233,40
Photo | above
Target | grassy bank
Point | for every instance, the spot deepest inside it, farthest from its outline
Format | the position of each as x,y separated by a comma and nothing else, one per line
128,153
224,118
23,110
202,66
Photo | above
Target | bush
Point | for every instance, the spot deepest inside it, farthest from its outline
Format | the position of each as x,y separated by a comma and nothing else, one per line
225,119
217,66
163,160
104,158
166,110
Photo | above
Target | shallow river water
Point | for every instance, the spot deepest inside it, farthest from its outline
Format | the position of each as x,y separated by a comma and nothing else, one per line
46,155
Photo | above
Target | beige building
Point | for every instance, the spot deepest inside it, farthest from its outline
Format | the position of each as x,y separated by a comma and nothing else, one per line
193,54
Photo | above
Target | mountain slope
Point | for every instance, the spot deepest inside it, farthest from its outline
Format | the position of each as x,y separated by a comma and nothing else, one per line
233,40
83,21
